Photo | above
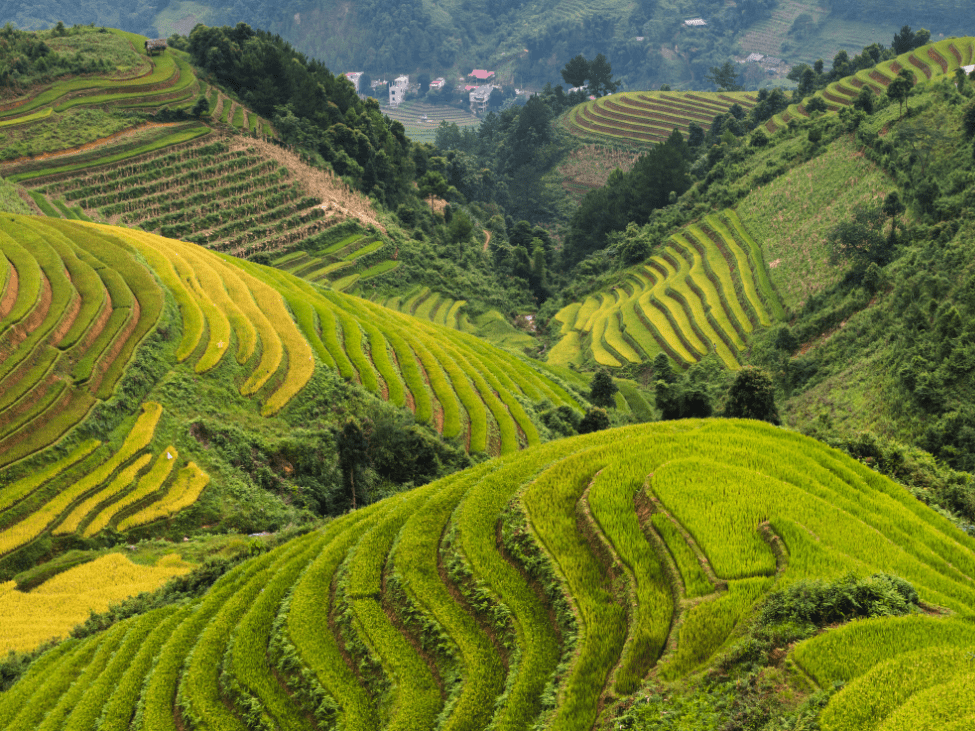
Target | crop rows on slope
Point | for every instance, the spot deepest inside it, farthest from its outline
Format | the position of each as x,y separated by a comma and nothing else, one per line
342,264
706,291
468,390
221,195
432,306
78,305
650,116
900,673
113,485
360,623
925,63
165,71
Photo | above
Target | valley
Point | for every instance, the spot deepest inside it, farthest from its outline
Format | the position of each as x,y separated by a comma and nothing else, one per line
646,411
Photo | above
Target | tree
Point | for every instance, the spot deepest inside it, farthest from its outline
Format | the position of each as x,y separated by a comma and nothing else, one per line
816,104
601,77
496,99
752,396
353,449
968,120
900,88
424,81
602,390
201,107
724,77
576,71
596,419
663,369
861,240
695,135
903,41
864,100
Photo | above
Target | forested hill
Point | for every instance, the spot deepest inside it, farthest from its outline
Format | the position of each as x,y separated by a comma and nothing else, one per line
646,41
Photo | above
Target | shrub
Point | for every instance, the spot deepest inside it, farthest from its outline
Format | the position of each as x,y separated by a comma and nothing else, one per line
821,603
752,396
595,419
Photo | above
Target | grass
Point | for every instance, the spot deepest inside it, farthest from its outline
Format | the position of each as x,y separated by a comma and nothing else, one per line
792,217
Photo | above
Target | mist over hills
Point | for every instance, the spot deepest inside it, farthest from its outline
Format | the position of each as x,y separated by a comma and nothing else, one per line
647,42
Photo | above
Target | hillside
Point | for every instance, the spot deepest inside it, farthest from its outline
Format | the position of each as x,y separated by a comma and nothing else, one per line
366,420
547,586
646,43
114,339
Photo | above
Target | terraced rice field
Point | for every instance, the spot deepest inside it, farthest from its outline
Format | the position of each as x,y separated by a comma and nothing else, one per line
926,63
433,608
491,326
50,611
647,117
343,262
421,120
900,673
163,81
705,292
76,301
428,305
225,195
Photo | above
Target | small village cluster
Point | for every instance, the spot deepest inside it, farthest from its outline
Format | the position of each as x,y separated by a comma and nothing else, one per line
478,87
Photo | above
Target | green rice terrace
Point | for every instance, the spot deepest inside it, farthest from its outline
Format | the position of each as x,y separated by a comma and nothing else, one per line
343,264
96,119
937,60
232,194
705,292
541,589
648,117
426,304
69,337
421,120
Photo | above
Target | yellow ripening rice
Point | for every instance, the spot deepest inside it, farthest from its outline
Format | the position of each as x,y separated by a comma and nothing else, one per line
48,612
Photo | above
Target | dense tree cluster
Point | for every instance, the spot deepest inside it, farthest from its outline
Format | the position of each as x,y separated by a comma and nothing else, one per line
25,58
311,108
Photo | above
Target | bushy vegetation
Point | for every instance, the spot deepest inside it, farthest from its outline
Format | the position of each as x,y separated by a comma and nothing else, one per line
309,106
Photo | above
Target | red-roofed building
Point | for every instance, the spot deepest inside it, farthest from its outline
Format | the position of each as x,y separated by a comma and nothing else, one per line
481,74
468,87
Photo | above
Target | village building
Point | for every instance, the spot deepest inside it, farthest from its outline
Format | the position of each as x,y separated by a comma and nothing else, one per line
479,96
354,77
156,44
397,90
695,22
481,75
438,83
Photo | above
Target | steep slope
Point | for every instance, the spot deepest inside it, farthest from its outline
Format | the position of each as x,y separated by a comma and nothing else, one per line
540,587
705,291
117,345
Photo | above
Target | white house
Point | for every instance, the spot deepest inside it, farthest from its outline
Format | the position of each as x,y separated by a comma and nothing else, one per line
479,97
354,77
695,22
397,90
